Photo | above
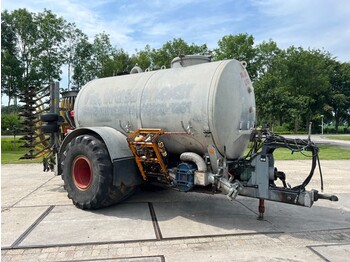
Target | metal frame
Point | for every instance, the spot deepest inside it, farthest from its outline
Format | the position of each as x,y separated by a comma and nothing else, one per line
150,141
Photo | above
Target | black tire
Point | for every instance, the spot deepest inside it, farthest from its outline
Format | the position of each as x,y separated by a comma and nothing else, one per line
49,117
50,128
88,174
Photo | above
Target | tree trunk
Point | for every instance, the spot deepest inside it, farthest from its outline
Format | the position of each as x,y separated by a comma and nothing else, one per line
280,119
15,102
69,74
296,126
336,116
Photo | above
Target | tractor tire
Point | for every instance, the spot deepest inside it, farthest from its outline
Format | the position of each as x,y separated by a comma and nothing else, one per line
88,174
49,117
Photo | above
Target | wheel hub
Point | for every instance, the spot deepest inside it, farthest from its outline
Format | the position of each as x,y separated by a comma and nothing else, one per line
82,173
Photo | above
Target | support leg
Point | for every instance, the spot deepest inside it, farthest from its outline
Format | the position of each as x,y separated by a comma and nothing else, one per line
261,209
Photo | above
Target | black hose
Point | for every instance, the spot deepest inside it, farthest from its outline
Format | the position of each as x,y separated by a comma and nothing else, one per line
312,171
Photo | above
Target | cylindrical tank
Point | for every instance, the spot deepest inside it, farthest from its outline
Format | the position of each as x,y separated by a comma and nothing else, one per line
206,104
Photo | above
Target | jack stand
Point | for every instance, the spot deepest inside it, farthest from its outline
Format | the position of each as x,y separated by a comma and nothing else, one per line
261,209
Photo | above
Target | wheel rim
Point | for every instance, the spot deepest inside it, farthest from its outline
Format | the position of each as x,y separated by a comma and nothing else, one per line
82,173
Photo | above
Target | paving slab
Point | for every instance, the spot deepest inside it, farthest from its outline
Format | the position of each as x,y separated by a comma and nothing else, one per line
324,214
333,252
157,194
70,225
335,174
15,221
214,217
322,140
290,218
17,181
129,259
51,193
309,233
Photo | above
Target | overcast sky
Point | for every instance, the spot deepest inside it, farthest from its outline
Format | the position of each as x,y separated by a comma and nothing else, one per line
133,24
321,24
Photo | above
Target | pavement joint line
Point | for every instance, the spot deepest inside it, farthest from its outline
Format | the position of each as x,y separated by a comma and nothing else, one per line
142,240
82,244
34,206
256,213
33,191
156,227
63,205
312,248
32,227
320,230
251,210
225,235
161,257
330,245
317,253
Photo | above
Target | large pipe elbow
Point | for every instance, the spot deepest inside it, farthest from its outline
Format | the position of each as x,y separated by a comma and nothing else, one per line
197,159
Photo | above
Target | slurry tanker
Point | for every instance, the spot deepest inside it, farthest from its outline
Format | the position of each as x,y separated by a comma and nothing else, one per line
185,128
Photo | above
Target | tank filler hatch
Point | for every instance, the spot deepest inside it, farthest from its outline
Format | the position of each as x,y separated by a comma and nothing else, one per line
189,60
150,154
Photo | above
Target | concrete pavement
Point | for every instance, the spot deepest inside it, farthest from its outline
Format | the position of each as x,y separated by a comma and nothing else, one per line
323,140
39,223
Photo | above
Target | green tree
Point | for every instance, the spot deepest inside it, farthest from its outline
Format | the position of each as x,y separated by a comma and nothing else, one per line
171,49
240,47
143,58
121,62
102,56
26,34
291,85
272,99
307,80
83,68
73,37
10,123
95,60
49,47
11,69
33,49
8,109
266,55
16,46
338,97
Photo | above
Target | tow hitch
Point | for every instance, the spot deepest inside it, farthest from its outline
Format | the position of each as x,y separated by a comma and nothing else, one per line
256,173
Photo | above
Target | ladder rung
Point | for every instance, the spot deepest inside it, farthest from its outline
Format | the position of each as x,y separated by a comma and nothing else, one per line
155,174
142,143
155,149
153,160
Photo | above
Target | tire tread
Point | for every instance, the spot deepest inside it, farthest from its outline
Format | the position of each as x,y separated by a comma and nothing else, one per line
106,194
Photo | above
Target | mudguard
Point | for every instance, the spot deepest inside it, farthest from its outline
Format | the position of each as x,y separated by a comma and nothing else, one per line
125,170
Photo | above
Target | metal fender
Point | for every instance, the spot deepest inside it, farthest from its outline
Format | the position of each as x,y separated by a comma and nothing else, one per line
115,141
125,170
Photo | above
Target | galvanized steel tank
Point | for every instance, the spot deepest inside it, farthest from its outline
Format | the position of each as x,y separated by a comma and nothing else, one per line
203,103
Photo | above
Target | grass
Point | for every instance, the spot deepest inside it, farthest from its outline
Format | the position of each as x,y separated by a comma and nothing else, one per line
337,137
326,153
11,152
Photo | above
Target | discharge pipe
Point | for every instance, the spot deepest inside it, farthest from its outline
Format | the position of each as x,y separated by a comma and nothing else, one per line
195,158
